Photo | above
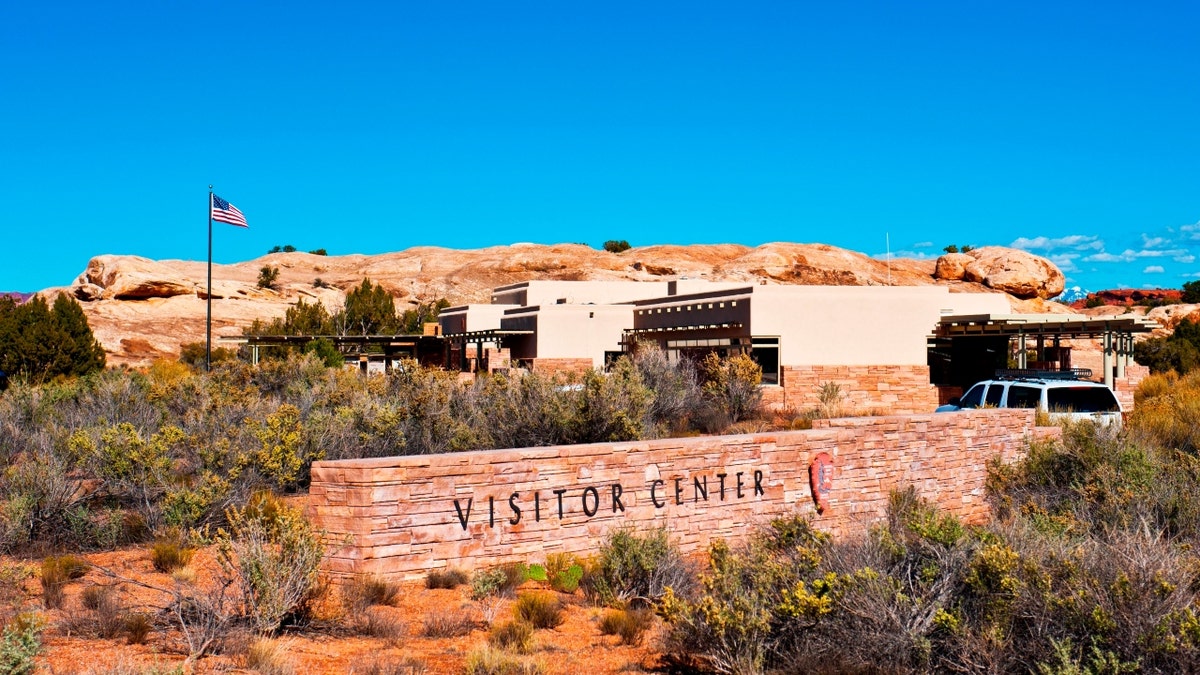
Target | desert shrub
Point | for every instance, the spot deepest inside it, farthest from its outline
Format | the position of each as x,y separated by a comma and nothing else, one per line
676,396
363,591
447,578
1167,412
628,624
541,609
274,554
133,468
107,612
830,396
205,617
564,572
486,660
446,623
56,572
378,622
168,555
268,277
137,628
514,636
616,245
637,568
20,643
753,601
515,574
486,589
269,657
731,385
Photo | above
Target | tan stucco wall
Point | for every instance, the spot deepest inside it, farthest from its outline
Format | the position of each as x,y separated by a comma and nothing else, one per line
859,325
575,331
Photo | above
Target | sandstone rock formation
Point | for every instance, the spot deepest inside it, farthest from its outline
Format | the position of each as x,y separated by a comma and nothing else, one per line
143,309
1015,272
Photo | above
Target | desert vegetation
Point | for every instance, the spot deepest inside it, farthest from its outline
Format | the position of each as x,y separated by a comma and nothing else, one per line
1089,565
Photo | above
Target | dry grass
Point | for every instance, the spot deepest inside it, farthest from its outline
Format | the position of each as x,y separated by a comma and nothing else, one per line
56,572
447,578
269,657
541,609
447,623
487,660
169,555
378,622
629,625
365,591
513,636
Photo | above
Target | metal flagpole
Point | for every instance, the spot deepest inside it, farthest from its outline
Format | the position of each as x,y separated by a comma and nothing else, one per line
208,319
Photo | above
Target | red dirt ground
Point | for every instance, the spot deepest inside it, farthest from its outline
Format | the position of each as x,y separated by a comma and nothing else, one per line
330,646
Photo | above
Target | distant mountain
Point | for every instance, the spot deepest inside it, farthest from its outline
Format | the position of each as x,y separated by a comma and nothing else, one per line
1072,294
20,297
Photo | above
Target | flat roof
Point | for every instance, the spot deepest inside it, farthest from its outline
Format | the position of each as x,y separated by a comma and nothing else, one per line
1065,325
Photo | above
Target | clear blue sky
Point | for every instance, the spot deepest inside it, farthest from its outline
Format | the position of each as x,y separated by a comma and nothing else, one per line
1070,129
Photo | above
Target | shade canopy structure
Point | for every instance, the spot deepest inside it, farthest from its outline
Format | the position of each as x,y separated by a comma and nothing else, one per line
968,347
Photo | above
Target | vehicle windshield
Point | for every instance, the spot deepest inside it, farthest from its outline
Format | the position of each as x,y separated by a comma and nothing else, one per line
1082,400
972,398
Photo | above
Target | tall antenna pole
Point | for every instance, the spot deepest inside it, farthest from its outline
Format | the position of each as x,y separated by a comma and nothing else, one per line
887,238
208,294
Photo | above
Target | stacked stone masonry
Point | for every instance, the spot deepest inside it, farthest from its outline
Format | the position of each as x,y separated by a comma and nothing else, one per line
894,390
549,366
399,517
1124,387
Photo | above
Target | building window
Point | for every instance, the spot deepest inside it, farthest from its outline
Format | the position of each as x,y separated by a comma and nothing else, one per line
765,352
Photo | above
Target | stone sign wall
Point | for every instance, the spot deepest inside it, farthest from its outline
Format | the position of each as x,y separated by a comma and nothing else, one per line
399,517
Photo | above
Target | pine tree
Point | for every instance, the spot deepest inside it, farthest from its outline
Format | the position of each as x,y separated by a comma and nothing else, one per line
39,343
369,310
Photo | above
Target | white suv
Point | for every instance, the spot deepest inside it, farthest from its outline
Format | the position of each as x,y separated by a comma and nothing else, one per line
1063,399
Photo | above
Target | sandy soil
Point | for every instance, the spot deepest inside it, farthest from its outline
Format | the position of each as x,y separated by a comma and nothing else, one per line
330,645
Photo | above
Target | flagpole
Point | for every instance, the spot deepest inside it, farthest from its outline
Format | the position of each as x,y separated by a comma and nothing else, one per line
208,294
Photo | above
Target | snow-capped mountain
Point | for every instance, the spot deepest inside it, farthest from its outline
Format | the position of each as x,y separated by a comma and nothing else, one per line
1072,294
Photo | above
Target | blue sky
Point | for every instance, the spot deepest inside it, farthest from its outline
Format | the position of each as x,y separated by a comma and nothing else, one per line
1068,129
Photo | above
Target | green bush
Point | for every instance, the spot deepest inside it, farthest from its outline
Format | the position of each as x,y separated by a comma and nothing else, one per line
637,568
616,245
268,277
20,642
564,572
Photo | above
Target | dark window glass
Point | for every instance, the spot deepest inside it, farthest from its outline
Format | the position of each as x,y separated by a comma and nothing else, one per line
994,393
1082,399
1023,397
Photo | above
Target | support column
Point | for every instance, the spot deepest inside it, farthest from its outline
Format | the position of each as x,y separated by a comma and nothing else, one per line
1108,358
1122,355
1022,361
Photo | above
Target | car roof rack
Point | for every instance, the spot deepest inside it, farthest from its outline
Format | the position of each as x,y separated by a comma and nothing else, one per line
1033,374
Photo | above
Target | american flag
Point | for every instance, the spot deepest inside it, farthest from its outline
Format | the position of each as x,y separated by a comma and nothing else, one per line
225,212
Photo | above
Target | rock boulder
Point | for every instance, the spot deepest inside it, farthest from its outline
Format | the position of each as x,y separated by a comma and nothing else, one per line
1015,272
130,278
